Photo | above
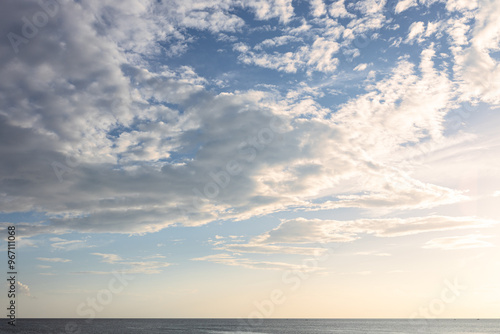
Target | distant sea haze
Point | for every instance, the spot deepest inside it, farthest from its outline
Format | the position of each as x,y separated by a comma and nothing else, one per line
255,326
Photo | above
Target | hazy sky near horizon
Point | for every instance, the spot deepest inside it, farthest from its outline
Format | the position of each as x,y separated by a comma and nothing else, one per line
239,158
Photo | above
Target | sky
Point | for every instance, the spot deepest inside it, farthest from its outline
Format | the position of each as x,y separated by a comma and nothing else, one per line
251,158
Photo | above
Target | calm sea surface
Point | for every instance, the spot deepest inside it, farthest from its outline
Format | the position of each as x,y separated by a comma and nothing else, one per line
268,326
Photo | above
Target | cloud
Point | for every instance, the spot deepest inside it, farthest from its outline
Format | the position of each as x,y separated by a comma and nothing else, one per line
230,260
476,68
24,242
384,100
289,62
321,55
458,31
316,57
338,9
130,266
266,9
24,289
434,28
372,17
36,228
109,258
270,42
461,5
216,21
226,152
270,249
370,6
361,67
459,242
53,259
138,25
67,245
415,32
156,256
43,266
403,5
146,267
305,231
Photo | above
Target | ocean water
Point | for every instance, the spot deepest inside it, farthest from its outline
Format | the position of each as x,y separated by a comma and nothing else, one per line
267,326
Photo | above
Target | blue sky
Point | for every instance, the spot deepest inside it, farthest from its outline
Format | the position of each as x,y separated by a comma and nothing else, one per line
342,152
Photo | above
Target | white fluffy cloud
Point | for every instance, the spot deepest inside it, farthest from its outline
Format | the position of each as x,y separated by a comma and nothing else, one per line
127,266
338,9
460,5
232,162
361,67
415,32
24,289
403,5
319,56
67,245
318,7
477,70
266,9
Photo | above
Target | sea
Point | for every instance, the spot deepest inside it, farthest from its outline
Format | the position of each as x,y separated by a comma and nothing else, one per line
254,326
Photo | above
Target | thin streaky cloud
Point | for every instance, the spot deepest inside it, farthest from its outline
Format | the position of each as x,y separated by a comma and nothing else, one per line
53,259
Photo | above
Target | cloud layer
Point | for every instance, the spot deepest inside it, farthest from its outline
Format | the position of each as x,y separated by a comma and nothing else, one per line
101,137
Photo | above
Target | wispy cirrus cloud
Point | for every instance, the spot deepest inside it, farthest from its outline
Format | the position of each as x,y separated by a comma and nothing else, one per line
459,242
109,258
338,10
53,259
67,245
415,32
315,237
128,266
231,260
41,266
